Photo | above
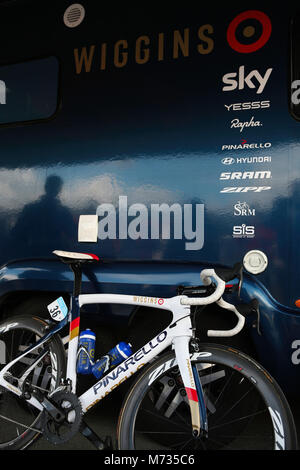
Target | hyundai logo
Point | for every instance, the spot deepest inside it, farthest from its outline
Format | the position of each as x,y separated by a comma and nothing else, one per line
228,161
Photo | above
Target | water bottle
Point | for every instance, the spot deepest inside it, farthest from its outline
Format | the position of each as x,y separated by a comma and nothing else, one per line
114,357
87,340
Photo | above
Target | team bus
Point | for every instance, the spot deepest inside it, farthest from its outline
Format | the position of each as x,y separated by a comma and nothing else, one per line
163,140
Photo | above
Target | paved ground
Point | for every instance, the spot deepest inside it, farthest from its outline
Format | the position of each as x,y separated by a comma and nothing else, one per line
103,419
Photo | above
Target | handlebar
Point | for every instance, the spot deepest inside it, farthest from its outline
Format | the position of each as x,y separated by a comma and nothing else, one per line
206,276
220,276
234,331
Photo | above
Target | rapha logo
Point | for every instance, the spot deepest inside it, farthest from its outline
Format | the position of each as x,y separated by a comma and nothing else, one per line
237,124
239,80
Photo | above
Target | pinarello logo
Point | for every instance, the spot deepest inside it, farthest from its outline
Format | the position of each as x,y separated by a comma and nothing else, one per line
160,301
249,31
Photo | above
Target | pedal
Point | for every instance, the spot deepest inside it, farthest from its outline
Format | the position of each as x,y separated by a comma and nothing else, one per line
100,444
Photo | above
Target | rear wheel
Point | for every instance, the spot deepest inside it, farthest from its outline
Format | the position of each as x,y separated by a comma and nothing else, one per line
19,421
246,408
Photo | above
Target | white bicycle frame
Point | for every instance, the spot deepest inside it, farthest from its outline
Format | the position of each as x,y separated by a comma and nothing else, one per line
177,335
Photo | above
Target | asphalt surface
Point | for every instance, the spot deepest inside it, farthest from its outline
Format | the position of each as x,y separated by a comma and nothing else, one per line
103,420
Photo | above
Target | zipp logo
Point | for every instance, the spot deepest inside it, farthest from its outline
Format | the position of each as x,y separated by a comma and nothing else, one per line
245,189
243,175
239,80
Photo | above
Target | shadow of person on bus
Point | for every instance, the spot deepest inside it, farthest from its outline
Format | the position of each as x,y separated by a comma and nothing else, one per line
44,225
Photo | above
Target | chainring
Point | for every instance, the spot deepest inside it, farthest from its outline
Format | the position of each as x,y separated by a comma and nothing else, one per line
61,432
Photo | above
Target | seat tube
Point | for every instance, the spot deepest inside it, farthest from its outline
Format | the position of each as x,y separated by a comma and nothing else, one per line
73,341
74,326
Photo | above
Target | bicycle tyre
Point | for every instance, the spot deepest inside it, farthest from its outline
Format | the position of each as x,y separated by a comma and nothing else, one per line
145,425
16,333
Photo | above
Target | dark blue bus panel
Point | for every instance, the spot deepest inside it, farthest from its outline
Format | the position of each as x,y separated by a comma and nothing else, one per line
179,129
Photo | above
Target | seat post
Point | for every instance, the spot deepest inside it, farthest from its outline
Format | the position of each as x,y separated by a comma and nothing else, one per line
76,268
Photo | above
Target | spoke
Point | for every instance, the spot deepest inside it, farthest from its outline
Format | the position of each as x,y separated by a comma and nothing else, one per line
182,442
20,424
238,419
235,404
163,418
224,388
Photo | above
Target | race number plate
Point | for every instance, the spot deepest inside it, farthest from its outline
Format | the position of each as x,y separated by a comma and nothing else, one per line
58,309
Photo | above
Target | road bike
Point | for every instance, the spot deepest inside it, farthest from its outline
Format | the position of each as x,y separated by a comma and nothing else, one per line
187,396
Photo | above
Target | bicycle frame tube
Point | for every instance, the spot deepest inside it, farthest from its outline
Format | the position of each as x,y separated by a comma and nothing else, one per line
17,390
177,334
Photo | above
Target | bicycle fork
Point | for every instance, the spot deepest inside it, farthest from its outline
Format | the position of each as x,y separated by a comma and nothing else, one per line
191,382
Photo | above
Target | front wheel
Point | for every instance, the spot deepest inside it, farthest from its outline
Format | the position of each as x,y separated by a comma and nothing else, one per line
246,409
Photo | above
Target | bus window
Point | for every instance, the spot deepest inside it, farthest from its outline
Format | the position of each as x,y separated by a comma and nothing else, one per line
29,90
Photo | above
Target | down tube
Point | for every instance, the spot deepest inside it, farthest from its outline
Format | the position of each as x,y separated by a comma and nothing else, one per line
125,370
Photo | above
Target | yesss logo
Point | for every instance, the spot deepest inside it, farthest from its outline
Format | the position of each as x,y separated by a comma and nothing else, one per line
249,31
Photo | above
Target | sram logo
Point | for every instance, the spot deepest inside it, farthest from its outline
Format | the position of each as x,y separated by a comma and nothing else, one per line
246,189
239,80
243,175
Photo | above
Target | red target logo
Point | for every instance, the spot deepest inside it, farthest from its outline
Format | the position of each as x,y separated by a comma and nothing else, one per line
249,31
160,301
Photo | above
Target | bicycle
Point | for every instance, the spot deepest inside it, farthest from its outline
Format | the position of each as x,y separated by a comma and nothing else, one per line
187,395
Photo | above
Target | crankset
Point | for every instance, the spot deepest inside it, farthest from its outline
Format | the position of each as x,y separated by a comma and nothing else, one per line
60,427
